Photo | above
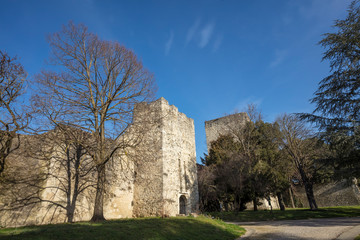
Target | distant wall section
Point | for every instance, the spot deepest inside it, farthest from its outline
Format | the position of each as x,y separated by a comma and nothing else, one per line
339,193
224,125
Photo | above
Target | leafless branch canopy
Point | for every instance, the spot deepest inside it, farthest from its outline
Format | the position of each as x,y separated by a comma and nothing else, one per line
98,85
12,119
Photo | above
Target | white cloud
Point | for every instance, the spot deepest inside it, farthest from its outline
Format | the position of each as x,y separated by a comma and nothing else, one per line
192,31
169,43
217,42
280,55
201,34
205,35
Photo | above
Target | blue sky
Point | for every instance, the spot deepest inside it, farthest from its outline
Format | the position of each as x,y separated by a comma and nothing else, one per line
209,58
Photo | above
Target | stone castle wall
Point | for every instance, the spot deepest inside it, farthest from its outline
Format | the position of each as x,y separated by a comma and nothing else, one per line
148,185
51,190
224,125
331,194
146,179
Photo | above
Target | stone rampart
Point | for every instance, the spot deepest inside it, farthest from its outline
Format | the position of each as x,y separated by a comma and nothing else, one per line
224,125
151,176
340,193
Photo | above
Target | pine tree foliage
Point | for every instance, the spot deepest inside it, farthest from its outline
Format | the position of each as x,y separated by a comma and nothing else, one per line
338,96
337,99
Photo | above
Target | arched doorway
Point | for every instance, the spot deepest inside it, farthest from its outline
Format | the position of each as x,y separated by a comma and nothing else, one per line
182,203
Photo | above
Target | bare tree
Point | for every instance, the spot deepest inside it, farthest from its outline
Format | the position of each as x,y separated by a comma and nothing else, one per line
95,90
12,120
304,150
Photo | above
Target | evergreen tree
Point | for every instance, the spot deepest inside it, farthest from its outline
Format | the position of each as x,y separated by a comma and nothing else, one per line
245,166
338,96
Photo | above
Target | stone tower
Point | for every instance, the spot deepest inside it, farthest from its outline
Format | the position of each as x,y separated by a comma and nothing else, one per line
224,125
166,180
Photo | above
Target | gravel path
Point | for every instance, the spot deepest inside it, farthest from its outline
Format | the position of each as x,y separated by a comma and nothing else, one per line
320,229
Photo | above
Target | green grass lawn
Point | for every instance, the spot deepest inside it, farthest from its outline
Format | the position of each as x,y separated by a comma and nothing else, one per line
140,228
288,214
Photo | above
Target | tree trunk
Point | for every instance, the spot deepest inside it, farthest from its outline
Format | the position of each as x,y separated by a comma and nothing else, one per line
237,203
5,151
70,214
292,197
310,196
308,189
281,201
269,201
255,204
226,206
242,205
99,198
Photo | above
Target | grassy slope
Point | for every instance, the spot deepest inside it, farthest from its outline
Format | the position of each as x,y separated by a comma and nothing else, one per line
142,228
289,214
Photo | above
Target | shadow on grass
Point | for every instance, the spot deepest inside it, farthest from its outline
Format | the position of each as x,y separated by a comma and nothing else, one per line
147,228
